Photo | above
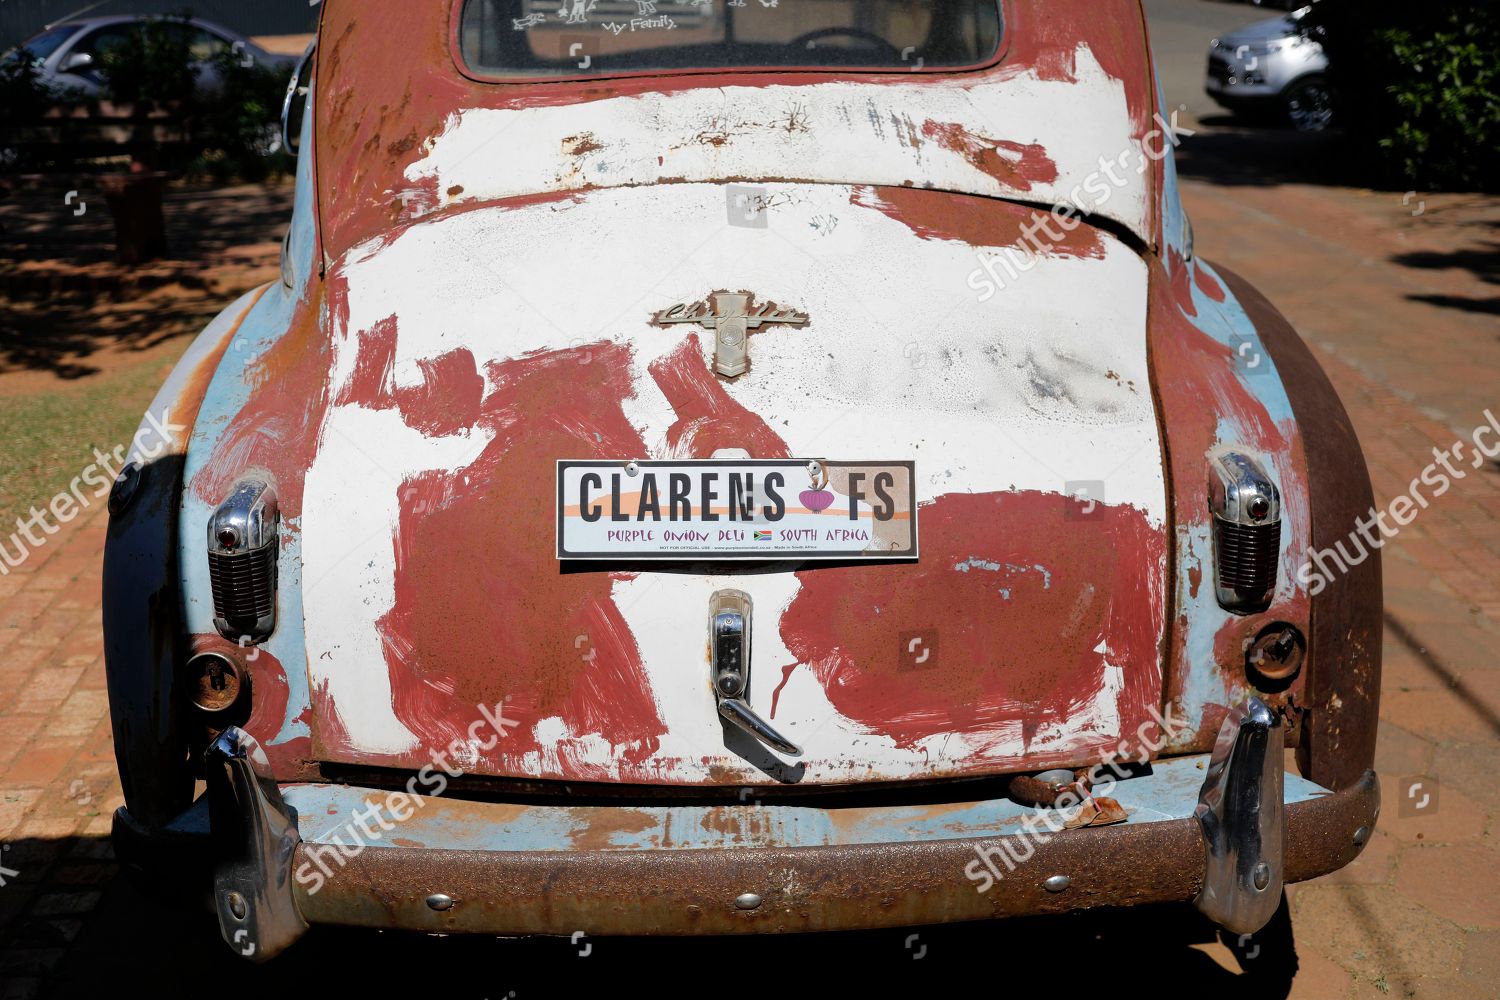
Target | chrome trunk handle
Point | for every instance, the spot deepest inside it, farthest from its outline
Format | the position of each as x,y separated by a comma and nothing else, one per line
729,645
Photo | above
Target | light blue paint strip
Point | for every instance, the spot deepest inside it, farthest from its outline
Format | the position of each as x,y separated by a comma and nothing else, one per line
227,394
327,811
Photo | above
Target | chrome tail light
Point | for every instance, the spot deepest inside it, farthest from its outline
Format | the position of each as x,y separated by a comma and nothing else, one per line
1246,510
242,544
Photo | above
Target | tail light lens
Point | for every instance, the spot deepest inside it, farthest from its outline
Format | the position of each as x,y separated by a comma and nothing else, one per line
1246,510
242,547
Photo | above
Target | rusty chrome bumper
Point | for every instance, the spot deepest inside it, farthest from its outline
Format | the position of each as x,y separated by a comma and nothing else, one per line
841,887
455,865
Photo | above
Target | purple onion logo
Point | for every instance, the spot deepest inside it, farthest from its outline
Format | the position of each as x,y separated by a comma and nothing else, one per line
817,499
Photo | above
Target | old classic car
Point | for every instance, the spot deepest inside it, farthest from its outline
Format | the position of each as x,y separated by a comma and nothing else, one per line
723,467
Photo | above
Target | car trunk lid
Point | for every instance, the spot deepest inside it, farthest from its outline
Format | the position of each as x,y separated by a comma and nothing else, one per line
476,348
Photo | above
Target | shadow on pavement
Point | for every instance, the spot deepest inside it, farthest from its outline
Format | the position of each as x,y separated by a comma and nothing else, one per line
1236,152
1481,259
62,333
65,304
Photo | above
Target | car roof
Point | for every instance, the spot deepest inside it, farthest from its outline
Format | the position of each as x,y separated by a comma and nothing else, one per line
1071,93
99,22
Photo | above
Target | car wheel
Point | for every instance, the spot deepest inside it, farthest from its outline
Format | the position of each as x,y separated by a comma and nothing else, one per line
1308,104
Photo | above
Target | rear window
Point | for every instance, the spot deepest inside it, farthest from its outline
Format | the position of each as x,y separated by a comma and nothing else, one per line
542,38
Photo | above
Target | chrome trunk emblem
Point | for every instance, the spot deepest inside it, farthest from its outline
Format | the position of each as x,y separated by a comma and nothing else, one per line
731,315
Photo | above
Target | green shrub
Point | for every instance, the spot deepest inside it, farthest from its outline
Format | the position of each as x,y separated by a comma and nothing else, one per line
1419,88
150,68
227,108
24,96
25,99
238,125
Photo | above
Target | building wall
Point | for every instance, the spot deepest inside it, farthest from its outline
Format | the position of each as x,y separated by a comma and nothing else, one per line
20,19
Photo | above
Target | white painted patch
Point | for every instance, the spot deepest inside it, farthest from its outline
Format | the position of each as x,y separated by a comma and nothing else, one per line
900,360
349,517
845,132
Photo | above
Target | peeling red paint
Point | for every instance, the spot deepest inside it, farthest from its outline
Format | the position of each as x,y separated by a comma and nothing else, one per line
1207,284
1044,38
374,365
786,675
980,222
374,124
1181,282
1013,164
485,604
708,418
330,736
1074,580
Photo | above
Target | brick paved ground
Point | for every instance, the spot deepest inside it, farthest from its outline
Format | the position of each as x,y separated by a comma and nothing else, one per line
1413,346
1401,309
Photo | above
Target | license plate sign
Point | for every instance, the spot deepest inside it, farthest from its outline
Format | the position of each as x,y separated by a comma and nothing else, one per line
736,509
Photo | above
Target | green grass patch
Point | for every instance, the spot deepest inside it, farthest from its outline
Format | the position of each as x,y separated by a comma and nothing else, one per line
50,437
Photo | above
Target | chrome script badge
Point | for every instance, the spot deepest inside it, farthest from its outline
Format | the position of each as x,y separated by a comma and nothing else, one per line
731,315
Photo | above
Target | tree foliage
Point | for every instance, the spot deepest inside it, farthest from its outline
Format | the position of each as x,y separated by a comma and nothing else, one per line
1419,88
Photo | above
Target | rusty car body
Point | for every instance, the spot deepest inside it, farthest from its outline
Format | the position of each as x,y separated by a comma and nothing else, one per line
374,602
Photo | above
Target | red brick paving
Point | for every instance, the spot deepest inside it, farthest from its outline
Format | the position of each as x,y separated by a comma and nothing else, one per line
1415,915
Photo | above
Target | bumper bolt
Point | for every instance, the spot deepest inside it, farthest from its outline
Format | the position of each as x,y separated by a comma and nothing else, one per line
440,901
1361,835
1057,883
747,900
237,905
1261,876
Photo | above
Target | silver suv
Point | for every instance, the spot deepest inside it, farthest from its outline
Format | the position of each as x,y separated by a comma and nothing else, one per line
1271,66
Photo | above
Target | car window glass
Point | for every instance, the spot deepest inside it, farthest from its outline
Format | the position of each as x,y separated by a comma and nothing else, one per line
205,45
102,40
532,38
47,42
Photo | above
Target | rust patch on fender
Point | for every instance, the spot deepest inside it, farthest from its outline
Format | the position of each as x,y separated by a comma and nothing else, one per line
596,829
1199,389
268,696
276,429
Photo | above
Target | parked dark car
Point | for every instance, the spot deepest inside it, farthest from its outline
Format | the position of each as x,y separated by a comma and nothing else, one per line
70,56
